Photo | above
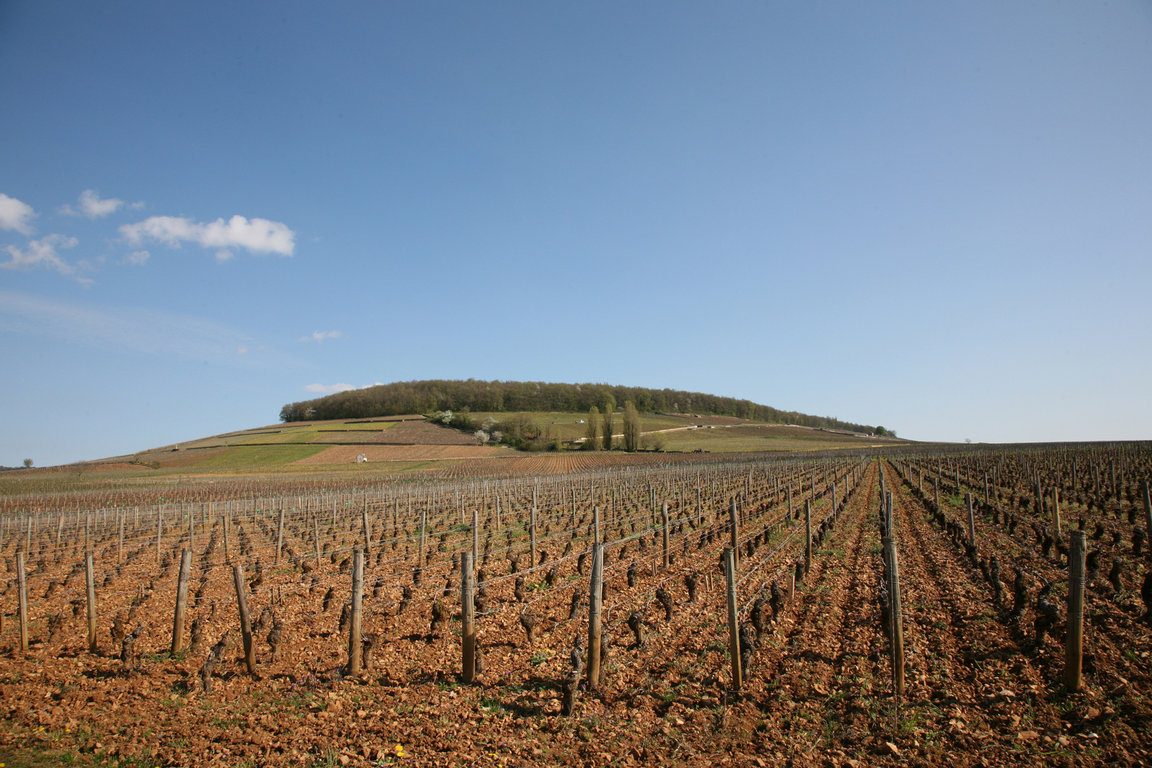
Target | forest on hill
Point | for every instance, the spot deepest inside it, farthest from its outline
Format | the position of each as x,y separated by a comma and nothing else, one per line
434,396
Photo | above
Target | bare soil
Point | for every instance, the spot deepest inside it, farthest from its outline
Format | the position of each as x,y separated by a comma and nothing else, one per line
817,690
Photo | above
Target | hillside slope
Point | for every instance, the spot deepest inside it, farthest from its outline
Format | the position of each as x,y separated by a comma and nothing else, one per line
409,442
432,396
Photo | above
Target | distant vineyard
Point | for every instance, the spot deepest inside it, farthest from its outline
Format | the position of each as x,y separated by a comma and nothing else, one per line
885,607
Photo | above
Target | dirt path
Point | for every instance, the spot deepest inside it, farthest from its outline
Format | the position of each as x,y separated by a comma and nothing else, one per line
812,688
968,679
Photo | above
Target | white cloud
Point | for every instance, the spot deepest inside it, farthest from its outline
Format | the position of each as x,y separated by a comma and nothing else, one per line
256,235
328,389
322,335
42,254
139,258
16,215
92,206
224,255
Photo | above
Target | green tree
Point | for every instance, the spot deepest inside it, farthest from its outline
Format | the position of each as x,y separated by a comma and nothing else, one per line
28,463
590,429
631,427
606,433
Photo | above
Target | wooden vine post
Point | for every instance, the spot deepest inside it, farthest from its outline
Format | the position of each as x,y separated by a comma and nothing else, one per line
971,519
1056,511
90,582
733,622
734,529
279,535
355,649
595,594
181,601
227,555
475,535
807,536
22,587
467,618
532,537
423,528
245,620
664,523
896,619
367,529
1074,642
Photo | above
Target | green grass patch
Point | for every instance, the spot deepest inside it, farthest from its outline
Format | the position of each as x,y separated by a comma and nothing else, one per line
489,704
256,457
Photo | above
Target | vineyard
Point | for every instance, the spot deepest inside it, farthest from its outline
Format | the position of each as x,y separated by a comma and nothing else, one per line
969,607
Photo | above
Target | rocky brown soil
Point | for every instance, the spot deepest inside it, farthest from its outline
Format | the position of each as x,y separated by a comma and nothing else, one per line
817,688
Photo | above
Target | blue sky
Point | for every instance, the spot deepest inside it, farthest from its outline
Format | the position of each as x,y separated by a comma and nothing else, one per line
931,216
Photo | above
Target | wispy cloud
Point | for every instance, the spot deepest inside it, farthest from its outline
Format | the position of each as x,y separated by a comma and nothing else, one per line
42,254
134,330
93,206
16,215
138,258
321,336
255,235
328,389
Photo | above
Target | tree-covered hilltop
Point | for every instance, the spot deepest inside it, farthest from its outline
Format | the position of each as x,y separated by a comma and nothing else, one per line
471,395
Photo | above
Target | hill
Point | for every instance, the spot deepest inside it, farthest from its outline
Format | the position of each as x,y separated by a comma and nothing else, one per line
408,444
432,396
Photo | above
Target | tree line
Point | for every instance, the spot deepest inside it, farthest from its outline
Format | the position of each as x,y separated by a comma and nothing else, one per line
434,396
